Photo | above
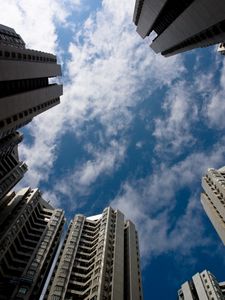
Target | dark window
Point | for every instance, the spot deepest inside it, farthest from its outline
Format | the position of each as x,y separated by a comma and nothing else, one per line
7,54
8,120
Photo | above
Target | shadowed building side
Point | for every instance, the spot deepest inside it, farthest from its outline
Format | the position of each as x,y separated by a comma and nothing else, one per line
11,168
25,90
180,25
30,231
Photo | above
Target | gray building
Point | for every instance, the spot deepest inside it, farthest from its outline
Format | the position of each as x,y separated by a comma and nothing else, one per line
25,90
213,199
202,286
99,260
30,231
11,168
180,25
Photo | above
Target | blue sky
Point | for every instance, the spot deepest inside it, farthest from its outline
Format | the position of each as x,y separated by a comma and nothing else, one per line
134,130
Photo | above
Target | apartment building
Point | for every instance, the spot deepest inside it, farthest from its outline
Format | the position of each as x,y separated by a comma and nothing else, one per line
180,25
202,286
25,89
11,168
99,260
213,199
30,231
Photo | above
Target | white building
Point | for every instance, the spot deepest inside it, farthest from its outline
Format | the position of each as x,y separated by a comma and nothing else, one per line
213,199
202,286
99,260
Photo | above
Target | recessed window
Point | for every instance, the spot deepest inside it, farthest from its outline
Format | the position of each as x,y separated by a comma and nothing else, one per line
23,290
8,120
7,54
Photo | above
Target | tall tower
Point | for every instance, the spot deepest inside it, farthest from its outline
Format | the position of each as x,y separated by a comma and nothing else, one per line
11,168
99,260
213,199
202,286
180,25
25,90
30,231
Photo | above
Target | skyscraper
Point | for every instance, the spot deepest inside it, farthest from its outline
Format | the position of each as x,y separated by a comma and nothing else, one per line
11,168
202,286
25,90
180,25
30,231
213,199
99,260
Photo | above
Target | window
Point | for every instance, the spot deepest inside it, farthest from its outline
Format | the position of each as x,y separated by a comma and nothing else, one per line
55,297
58,288
23,290
95,289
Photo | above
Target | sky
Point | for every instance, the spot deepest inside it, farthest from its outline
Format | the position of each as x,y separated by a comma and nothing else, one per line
134,130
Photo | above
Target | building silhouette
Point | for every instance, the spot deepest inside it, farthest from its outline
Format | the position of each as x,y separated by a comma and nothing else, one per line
99,260
30,231
202,286
25,90
11,168
213,199
180,25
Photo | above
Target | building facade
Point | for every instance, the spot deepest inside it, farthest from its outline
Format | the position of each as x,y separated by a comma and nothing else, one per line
25,90
99,260
213,199
202,286
180,25
30,231
11,168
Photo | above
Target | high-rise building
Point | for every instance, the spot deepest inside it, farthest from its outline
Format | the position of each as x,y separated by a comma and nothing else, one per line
25,90
30,231
180,25
213,199
99,260
11,168
202,286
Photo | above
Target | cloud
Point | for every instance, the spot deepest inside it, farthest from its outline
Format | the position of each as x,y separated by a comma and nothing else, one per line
174,131
79,181
108,66
151,203
36,21
215,106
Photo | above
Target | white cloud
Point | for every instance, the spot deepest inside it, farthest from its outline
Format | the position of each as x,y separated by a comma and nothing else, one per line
151,204
36,21
108,67
79,181
173,132
215,106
